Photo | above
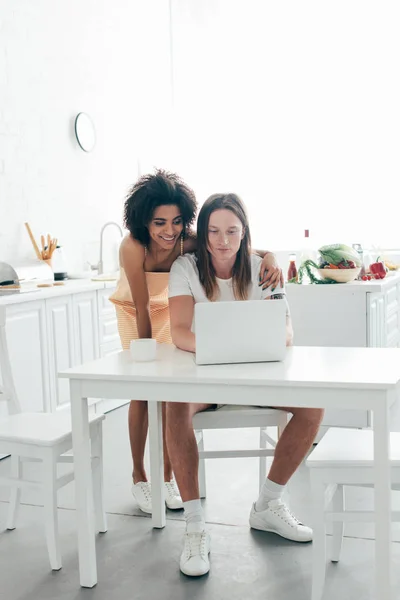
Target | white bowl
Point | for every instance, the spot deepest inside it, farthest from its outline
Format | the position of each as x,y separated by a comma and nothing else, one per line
340,275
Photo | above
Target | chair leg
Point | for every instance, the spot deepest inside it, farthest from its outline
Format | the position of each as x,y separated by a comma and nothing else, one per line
50,510
15,495
98,487
262,464
202,469
319,540
338,506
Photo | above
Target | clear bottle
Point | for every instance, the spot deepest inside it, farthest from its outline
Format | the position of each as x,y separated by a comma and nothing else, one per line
360,251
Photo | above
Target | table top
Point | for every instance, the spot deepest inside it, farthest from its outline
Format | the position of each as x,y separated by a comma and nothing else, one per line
350,368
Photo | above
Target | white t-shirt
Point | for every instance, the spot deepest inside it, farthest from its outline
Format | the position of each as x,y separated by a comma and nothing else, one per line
184,281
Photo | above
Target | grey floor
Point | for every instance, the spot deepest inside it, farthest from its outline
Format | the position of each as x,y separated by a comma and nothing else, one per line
136,562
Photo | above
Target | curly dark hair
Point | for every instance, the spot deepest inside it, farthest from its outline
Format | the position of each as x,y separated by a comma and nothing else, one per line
151,191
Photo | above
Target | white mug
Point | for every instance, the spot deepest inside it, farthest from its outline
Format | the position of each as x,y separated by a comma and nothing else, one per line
143,349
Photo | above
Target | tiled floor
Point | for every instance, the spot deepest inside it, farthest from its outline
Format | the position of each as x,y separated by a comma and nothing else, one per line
136,562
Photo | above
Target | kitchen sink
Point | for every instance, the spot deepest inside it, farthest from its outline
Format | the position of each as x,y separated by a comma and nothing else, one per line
106,277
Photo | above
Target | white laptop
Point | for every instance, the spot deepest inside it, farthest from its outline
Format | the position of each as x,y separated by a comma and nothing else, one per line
240,332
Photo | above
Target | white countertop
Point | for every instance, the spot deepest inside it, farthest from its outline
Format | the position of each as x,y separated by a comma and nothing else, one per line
375,285
30,292
349,368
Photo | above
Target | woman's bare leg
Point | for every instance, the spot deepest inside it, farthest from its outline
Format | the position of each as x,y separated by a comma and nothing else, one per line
138,426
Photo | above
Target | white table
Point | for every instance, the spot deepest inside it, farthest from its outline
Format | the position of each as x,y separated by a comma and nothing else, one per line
348,378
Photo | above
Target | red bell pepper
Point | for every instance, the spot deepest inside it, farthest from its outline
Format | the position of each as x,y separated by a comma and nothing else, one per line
378,268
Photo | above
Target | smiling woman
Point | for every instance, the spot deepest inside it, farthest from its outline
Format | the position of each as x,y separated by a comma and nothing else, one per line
159,212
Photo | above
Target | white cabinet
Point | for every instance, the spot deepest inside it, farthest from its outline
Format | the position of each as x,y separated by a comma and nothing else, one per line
27,339
86,327
61,344
109,338
383,318
108,328
376,321
47,336
348,315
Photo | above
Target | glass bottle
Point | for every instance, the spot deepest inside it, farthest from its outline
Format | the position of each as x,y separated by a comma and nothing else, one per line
292,270
360,251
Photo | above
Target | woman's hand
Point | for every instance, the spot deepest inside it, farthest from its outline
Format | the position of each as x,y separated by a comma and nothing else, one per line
270,272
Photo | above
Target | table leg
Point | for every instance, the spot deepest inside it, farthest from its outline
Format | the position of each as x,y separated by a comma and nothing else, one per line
383,544
83,487
156,463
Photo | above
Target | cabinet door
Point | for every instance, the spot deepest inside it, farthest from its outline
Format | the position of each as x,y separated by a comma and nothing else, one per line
27,343
108,326
392,299
376,321
61,347
86,327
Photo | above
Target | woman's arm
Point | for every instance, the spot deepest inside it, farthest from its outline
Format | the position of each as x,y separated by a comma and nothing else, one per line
181,310
270,271
132,257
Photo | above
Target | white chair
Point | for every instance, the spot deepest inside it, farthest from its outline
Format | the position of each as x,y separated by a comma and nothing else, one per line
235,417
344,457
45,438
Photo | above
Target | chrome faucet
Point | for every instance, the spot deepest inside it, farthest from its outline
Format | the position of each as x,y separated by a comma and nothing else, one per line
100,263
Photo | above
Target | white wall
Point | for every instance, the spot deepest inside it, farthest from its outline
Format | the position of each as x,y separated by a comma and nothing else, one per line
109,58
294,105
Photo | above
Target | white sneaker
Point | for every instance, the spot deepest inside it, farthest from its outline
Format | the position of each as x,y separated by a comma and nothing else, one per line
277,518
194,558
142,493
173,498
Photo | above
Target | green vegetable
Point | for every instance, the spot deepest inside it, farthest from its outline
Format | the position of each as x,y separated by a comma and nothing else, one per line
335,253
330,255
306,267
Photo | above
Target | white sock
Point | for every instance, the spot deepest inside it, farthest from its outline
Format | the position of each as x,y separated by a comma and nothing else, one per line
194,515
269,491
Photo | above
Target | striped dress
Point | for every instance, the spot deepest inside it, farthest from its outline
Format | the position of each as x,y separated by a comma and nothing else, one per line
157,284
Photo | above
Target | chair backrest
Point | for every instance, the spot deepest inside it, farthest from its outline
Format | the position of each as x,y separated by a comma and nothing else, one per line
7,387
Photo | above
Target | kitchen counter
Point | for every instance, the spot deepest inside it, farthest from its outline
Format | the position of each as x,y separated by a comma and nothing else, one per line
30,291
373,286
52,328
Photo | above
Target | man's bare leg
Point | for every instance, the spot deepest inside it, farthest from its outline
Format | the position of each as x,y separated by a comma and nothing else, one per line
269,513
184,454
295,442
182,447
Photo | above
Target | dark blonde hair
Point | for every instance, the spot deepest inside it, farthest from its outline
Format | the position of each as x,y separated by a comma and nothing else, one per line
241,274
